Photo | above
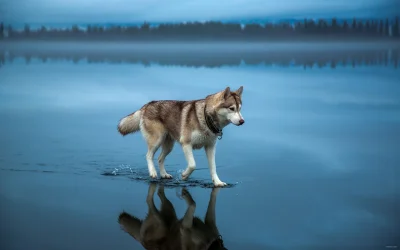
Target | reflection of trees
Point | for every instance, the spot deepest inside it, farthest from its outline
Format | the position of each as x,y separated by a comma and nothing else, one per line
213,58
305,29
2,59
1,31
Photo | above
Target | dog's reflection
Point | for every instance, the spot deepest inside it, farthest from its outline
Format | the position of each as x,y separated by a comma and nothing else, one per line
161,229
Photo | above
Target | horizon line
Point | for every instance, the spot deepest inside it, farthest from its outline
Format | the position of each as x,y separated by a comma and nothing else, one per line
243,21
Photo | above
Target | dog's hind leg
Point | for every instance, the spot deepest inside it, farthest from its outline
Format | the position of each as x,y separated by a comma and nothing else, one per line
187,221
150,199
167,210
154,133
153,227
167,146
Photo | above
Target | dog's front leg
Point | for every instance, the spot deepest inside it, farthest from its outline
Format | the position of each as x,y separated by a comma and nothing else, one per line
187,221
186,226
210,215
210,152
188,151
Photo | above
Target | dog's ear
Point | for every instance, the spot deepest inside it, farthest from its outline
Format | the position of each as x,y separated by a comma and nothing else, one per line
239,91
226,93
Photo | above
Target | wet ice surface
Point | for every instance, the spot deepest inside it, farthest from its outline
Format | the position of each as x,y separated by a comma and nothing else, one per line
315,166
142,175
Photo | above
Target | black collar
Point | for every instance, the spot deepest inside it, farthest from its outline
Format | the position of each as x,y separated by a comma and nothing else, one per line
211,124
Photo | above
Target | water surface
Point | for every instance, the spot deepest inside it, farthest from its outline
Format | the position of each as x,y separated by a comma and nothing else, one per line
315,165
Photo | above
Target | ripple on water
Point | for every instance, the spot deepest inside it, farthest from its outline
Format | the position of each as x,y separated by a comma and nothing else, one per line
141,174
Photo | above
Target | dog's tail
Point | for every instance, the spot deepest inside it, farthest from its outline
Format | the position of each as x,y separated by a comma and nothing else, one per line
130,224
130,123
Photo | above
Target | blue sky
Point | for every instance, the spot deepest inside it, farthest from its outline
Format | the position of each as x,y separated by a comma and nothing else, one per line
100,11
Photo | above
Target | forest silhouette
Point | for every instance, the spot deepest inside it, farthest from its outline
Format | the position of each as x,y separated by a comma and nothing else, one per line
321,29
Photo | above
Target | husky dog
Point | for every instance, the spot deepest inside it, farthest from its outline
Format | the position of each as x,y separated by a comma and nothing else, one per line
161,229
194,124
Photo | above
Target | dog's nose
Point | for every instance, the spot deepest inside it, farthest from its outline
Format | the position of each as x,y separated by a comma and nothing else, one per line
241,121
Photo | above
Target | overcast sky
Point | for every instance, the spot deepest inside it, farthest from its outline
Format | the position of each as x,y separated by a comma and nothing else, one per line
84,11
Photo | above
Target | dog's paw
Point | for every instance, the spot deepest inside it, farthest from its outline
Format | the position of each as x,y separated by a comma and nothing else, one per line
185,193
188,171
187,197
166,176
160,191
215,190
152,188
184,177
153,174
219,184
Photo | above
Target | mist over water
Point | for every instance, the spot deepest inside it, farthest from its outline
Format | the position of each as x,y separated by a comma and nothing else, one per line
314,166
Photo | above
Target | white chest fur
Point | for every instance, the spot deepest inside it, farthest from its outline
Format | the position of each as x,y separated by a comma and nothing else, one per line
199,139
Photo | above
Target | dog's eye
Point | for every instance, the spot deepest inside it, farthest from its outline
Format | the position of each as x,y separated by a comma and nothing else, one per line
232,108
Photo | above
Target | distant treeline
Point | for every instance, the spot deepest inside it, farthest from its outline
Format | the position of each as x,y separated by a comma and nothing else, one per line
306,29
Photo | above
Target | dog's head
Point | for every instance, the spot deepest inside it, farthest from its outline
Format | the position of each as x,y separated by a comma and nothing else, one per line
228,104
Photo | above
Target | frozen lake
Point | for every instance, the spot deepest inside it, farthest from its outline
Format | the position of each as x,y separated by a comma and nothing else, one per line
315,165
